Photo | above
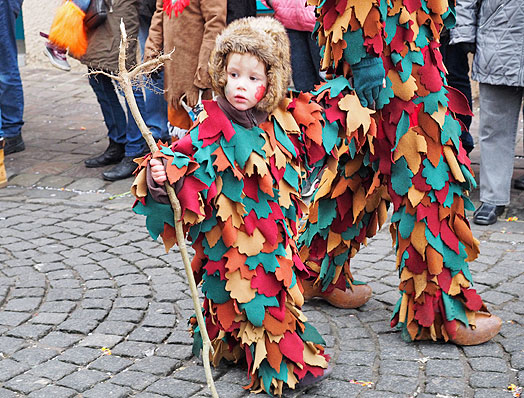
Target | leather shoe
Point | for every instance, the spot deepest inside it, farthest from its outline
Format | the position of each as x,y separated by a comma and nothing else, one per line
487,214
112,155
350,298
486,327
13,144
519,183
122,170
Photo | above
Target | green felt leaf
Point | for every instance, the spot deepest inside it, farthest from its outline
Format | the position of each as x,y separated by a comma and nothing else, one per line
470,180
432,100
327,272
468,204
401,176
406,225
355,50
283,139
422,39
243,143
268,374
216,252
453,261
402,128
327,211
291,176
206,172
261,208
256,308
438,176
454,309
214,288
311,334
391,28
268,260
336,86
454,189
329,136
451,130
385,95
352,231
156,215
435,241
232,187
197,342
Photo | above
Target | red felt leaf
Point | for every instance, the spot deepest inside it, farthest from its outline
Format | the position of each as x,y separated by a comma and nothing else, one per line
292,346
444,279
425,313
448,236
213,266
215,124
473,300
430,213
280,311
429,73
266,283
331,15
458,102
415,262
189,194
443,193
412,5
251,187
269,228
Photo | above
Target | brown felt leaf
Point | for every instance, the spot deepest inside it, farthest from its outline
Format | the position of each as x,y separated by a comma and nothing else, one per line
237,261
260,354
274,356
434,260
418,238
403,90
168,237
214,235
453,164
226,313
415,196
229,233
457,282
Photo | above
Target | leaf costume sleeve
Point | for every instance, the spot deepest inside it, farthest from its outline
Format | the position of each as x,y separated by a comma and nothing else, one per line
410,157
241,206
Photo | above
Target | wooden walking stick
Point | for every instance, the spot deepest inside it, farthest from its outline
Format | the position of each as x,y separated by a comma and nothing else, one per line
125,79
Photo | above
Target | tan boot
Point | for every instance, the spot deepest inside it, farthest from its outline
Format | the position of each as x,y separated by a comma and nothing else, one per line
487,327
3,174
338,298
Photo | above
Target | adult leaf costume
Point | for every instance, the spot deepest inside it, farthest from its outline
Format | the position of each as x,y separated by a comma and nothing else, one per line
413,160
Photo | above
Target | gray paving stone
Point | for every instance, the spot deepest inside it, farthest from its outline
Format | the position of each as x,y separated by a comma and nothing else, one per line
445,386
488,364
30,332
54,392
26,383
160,366
110,364
489,380
57,306
80,355
149,334
182,352
114,327
60,339
49,318
10,369
7,393
125,314
98,340
160,320
79,325
8,318
34,355
135,380
444,368
53,370
134,349
107,390
173,388
83,379
22,304
8,345
135,303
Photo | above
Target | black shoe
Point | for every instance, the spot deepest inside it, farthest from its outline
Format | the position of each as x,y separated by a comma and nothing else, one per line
487,214
309,379
13,144
122,170
112,155
519,183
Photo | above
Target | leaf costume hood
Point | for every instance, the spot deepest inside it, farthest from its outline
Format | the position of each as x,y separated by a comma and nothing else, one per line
265,38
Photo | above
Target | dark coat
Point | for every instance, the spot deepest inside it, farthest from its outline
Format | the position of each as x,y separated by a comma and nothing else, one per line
240,8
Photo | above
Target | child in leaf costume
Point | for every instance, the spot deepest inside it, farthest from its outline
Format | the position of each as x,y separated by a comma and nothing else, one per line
388,50
237,175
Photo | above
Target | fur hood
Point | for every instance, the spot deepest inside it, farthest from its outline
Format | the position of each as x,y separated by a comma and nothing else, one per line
263,37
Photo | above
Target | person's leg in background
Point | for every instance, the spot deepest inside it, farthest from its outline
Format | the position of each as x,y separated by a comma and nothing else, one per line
155,114
455,57
304,68
499,112
135,145
11,91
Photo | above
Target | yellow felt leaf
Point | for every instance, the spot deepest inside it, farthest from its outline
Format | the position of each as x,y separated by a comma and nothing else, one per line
403,308
362,9
214,235
341,25
285,190
410,145
285,118
415,196
291,378
260,354
250,245
312,356
250,334
227,208
418,238
296,295
258,162
239,288
357,115
453,164
456,282
139,187
420,280
440,116
359,202
334,240
296,312
404,16
404,90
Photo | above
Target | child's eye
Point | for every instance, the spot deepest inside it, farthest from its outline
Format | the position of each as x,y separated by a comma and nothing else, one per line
233,74
253,78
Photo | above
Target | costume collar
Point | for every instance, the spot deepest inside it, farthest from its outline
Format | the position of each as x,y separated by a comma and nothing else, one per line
247,119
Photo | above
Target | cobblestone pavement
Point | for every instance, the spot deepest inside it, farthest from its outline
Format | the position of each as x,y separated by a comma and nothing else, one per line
91,307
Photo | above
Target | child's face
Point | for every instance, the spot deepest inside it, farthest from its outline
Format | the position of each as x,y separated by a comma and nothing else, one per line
246,80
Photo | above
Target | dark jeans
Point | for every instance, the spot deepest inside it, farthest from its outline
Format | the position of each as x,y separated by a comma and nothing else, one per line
456,61
11,92
305,60
120,128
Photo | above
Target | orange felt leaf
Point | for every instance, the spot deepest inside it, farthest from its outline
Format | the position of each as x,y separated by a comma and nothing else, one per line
277,328
403,90
284,273
422,91
214,235
435,260
229,233
237,261
168,236
221,162
274,356
372,24
265,183
226,313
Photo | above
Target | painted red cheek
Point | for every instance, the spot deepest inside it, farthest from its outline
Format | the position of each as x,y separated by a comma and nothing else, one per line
261,90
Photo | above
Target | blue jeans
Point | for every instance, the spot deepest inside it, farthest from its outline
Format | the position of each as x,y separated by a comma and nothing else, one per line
155,114
120,128
305,60
11,92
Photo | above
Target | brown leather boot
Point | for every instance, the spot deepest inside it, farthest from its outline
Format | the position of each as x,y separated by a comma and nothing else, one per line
487,327
338,298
